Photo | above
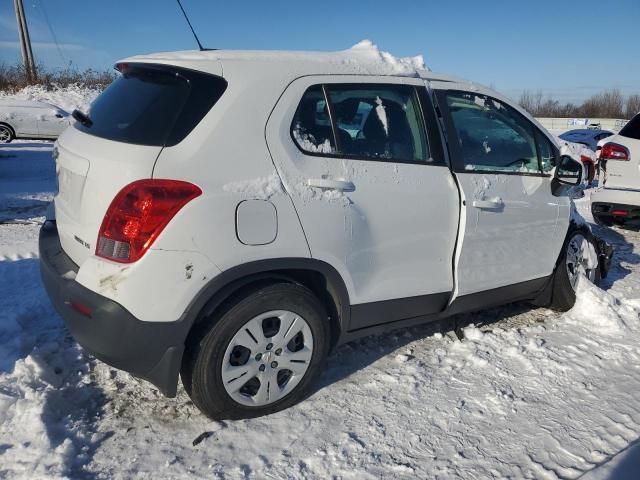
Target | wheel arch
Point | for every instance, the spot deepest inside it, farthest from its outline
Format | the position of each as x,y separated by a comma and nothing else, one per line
318,276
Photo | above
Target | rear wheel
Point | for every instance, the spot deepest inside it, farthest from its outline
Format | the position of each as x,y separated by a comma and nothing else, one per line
261,354
578,258
6,134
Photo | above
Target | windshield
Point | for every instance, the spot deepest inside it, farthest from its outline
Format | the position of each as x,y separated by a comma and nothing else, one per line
152,104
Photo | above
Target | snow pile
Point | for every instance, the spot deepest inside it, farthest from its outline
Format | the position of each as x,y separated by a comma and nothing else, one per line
382,115
368,51
601,312
308,142
262,188
68,98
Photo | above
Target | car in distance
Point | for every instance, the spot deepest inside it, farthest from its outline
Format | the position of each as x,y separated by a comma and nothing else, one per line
618,201
25,119
232,216
588,137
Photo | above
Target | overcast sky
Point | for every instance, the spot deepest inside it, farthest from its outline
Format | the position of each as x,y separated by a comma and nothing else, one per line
569,49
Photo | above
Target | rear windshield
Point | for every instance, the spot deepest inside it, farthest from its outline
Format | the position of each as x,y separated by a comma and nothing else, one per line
153,104
632,129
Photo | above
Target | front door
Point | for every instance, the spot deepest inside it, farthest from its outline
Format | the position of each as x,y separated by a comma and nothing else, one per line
362,160
502,162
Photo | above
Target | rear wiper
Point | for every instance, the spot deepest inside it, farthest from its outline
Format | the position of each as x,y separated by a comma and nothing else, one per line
83,118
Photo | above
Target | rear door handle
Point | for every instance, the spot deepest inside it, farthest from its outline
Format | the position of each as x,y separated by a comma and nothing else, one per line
494,204
330,184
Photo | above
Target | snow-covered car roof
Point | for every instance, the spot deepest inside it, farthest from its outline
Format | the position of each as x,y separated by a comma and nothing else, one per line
364,58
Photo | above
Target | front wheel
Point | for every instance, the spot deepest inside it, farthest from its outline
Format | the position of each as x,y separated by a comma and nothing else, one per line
260,355
579,257
6,134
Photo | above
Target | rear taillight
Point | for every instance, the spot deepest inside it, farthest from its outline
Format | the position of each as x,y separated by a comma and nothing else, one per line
585,158
137,215
613,151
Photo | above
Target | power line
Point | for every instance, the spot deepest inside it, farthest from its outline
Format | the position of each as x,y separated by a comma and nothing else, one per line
53,34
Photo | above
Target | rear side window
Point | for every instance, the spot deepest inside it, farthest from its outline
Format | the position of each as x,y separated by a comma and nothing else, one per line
632,129
364,121
311,127
153,105
492,136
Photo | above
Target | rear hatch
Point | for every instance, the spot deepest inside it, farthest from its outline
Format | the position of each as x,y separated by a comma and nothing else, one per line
624,173
146,108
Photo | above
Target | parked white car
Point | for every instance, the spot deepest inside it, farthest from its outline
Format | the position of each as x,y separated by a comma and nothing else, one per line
619,199
233,216
24,119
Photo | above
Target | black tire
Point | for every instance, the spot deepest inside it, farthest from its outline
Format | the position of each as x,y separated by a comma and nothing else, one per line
201,370
563,296
6,128
606,221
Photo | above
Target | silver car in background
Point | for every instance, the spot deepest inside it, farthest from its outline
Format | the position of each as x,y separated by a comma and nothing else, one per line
25,119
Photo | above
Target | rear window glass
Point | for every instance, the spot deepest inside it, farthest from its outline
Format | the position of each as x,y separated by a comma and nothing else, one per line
632,129
153,104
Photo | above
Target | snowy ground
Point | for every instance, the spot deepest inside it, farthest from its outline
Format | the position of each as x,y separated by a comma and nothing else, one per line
527,394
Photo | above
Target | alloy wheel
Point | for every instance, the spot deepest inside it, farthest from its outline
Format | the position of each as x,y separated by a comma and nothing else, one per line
267,358
5,134
577,260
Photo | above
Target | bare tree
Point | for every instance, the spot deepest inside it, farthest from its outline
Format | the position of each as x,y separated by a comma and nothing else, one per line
531,102
606,104
633,105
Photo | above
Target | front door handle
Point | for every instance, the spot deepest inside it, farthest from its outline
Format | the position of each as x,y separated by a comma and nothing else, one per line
330,184
493,204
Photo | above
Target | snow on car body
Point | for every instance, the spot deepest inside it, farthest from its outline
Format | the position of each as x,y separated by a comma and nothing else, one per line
25,119
247,218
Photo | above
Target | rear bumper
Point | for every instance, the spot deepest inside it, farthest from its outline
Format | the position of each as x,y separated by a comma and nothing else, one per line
149,350
616,204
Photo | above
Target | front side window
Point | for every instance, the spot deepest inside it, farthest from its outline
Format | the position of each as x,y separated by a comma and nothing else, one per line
548,154
492,136
377,122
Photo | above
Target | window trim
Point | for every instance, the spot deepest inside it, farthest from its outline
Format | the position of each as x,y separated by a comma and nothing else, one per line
428,122
457,159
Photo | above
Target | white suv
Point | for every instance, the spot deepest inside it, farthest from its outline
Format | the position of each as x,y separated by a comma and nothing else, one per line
619,199
232,216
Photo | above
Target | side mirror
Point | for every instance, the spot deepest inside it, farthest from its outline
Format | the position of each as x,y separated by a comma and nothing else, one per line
568,173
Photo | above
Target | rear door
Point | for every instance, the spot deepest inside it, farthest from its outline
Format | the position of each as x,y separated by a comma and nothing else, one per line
52,122
502,162
362,160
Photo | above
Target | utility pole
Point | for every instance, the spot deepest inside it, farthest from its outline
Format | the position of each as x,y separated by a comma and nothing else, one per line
25,43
